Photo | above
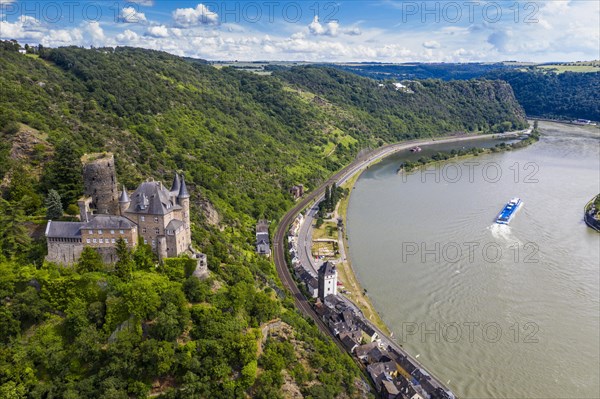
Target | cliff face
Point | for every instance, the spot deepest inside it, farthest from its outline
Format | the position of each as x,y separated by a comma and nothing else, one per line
568,95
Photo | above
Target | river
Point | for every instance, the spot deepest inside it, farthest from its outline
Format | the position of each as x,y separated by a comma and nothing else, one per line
495,311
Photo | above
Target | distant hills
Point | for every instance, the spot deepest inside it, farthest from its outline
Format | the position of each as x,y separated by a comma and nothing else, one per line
553,90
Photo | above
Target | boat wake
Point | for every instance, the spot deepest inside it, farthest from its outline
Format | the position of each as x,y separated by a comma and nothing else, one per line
501,232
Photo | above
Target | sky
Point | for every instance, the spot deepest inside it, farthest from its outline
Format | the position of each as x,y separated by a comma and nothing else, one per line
317,31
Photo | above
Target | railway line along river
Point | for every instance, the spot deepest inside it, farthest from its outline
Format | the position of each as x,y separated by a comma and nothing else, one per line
498,311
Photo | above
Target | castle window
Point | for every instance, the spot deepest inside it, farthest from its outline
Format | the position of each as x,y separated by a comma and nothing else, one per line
145,241
114,241
125,239
95,241
155,220
153,243
88,240
122,231
142,218
99,231
101,241
144,230
112,232
157,230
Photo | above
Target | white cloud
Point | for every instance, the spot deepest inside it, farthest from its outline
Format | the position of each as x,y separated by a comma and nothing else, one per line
96,32
331,28
127,36
431,44
318,29
200,15
158,31
131,16
3,2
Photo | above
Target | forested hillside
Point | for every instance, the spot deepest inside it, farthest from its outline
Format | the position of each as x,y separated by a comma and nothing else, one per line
131,329
567,95
422,108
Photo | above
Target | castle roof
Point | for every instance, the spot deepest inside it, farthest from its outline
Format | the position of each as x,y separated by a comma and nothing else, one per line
108,222
124,198
183,192
63,229
152,198
174,224
176,184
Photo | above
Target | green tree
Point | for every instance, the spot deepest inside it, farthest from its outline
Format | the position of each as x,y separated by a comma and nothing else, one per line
14,237
143,257
54,209
124,265
90,261
64,172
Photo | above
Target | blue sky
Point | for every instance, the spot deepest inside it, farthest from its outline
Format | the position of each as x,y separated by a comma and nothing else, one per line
378,30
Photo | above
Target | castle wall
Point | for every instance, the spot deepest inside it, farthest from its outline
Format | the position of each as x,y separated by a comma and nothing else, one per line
100,183
64,251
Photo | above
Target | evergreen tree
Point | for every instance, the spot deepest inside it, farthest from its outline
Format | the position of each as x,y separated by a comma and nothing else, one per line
124,266
64,173
14,237
54,208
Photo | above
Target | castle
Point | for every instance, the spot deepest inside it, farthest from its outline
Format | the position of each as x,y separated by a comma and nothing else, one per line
152,214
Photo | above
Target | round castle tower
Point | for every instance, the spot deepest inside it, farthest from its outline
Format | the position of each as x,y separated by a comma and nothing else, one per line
100,182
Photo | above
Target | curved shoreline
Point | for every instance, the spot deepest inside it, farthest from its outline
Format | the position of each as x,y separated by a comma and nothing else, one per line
340,178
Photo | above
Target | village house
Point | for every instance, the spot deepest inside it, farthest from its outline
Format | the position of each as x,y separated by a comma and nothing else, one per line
297,191
263,246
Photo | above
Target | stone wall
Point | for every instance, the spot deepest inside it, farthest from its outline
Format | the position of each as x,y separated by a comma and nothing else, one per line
64,251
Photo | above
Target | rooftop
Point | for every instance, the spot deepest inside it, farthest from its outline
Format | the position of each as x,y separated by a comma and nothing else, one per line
152,198
63,229
109,222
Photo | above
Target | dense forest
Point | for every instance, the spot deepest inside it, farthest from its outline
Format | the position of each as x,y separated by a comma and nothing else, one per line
241,140
567,95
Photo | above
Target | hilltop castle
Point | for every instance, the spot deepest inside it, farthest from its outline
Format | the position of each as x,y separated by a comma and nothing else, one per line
152,214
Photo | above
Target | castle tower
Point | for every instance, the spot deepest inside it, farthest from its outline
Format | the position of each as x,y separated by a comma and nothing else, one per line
176,186
327,280
100,182
183,198
124,201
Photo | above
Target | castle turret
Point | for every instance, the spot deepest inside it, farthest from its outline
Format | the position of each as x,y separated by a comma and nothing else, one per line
100,182
124,201
183,198
176,184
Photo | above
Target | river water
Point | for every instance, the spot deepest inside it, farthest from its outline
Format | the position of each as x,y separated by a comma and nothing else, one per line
495,311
